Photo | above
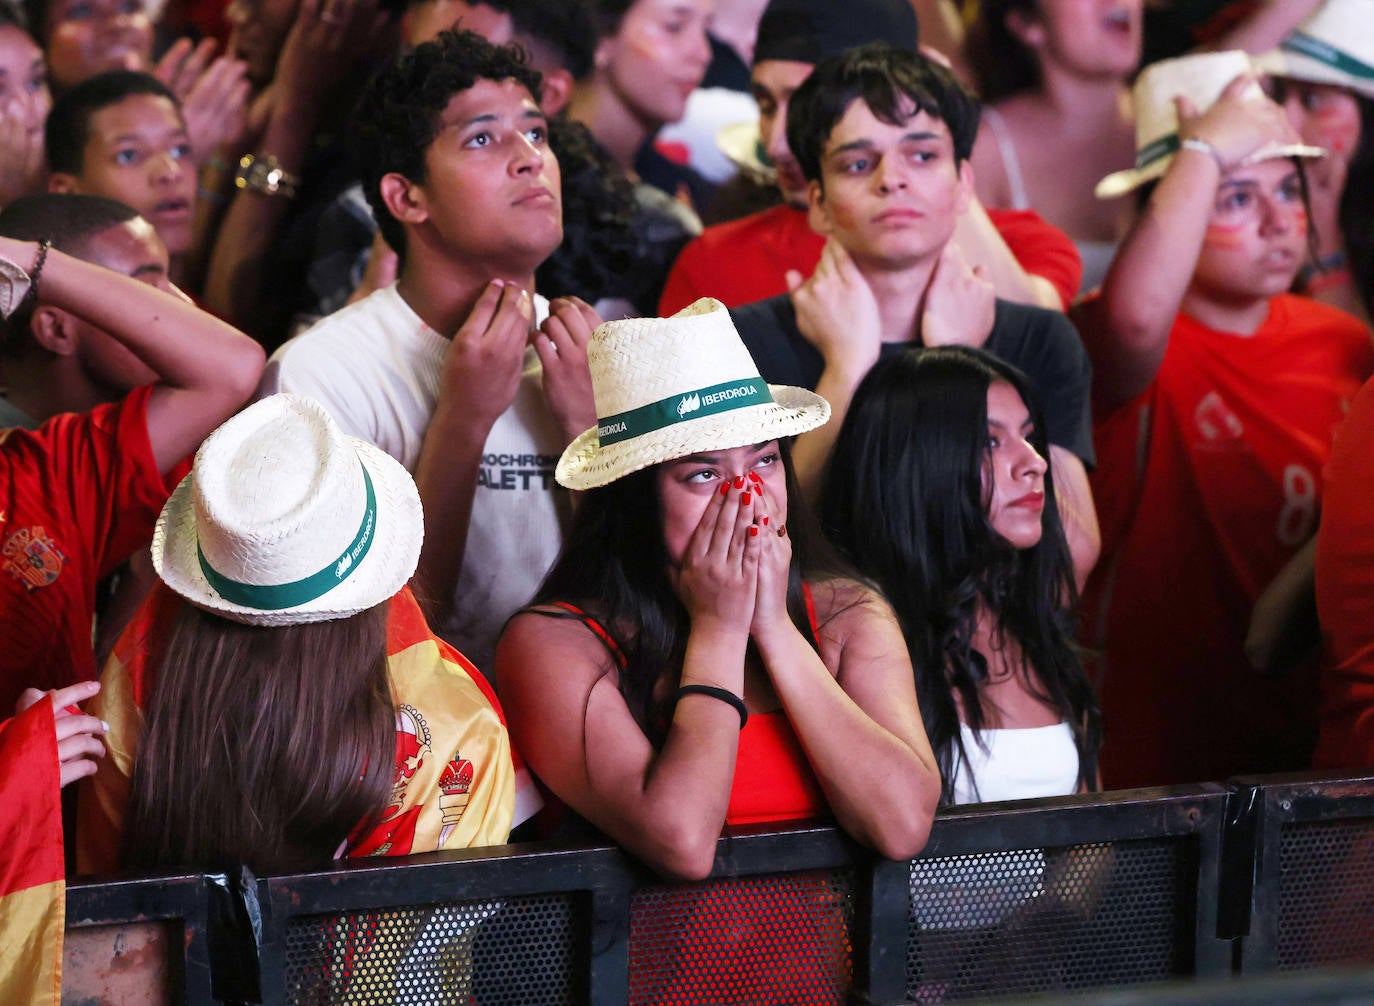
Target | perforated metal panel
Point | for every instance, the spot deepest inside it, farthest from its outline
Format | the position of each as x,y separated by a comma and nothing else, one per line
1053,920
776,939
518,952
1326,894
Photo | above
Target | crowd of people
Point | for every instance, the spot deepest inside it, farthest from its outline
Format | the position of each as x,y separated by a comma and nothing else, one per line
411,436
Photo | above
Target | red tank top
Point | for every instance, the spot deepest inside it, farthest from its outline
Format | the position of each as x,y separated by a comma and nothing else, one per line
773,780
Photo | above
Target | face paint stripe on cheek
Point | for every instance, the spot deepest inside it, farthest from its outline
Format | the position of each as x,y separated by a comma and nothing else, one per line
1223,236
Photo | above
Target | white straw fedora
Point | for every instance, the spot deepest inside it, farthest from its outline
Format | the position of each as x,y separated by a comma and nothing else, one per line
669,387
1334,46
285,520
1202,78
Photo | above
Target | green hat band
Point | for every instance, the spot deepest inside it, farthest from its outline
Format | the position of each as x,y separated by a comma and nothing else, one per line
1156,150
1315,48
683,408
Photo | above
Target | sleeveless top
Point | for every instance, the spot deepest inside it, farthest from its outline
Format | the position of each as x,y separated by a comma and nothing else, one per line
1096,255
1019,764
773,781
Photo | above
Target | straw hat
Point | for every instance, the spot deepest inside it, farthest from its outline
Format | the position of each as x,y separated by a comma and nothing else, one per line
743,147
285,520
669,387
1334,46
1202,78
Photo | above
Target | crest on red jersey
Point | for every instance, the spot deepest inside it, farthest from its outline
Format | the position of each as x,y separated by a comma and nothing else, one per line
32,557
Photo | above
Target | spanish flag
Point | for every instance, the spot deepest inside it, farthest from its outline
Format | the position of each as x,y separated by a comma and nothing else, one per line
33,887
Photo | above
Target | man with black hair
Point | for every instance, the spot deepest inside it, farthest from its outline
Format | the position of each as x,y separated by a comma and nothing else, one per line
80,494
445,370
882,136
743,260
121,135
601,257
53,361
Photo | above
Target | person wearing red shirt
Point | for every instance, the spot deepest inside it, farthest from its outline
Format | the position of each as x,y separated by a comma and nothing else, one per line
1217,396
79,495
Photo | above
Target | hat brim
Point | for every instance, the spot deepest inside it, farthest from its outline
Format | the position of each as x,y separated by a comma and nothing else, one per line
381,573
1118,183
739,142
1296,66
588,465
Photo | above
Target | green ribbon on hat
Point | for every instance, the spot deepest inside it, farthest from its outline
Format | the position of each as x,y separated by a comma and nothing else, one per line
683,408
275,597
1322,52
1156,150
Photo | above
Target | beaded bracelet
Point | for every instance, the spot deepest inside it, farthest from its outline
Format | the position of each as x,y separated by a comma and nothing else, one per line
32,296
724,695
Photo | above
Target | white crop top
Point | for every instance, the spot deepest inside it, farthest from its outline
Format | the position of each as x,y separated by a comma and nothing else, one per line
1019,764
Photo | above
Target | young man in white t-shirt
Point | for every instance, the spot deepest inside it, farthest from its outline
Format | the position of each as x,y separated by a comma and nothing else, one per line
459,370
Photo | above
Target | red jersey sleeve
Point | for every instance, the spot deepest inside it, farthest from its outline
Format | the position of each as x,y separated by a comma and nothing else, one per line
1042,249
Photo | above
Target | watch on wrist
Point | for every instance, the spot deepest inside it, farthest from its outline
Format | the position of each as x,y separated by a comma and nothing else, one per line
266,175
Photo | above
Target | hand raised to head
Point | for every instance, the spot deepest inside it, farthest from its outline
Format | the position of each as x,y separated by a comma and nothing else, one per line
1240,123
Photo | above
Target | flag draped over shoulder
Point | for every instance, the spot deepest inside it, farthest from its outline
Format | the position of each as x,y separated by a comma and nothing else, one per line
32,881
457,783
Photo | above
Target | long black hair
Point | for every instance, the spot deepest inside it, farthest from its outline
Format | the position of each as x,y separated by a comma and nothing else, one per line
614,564
906,500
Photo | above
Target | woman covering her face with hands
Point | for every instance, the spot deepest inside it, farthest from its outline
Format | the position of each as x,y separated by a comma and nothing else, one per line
693,660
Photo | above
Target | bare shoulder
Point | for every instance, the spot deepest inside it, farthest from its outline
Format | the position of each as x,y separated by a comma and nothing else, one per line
548,644
850,613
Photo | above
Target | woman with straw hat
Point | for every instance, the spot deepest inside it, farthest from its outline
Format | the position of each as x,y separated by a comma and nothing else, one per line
279,700
1216,394
695,658
1323,74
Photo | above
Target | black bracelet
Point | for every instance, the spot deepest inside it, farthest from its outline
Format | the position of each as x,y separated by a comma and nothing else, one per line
32,296
724,695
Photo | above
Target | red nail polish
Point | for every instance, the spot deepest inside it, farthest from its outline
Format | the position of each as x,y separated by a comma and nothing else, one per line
765,520
746,499
739,481
753,531
782,530
725,489
755,477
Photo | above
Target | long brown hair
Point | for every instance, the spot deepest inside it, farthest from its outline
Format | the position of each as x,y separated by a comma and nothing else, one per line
264,746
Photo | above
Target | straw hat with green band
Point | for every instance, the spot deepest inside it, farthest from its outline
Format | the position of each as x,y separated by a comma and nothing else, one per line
669,387
1201,78
1334,46
285,520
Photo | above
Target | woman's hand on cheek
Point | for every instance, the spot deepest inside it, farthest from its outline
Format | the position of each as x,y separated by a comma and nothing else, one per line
775,562
719,570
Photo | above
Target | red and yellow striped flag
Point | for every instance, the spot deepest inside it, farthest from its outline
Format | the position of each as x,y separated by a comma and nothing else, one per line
33,885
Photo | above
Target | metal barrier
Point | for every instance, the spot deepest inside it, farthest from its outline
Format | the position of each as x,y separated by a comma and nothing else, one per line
1074,894
1310,900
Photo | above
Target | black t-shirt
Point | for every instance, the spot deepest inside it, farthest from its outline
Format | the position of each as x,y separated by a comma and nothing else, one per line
1042,344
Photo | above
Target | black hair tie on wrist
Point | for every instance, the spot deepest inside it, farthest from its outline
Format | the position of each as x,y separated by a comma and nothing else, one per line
724,695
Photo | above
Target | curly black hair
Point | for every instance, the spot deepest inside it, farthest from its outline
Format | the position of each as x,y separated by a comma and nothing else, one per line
398,115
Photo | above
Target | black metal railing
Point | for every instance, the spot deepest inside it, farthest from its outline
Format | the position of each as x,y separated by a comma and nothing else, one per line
1064,896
